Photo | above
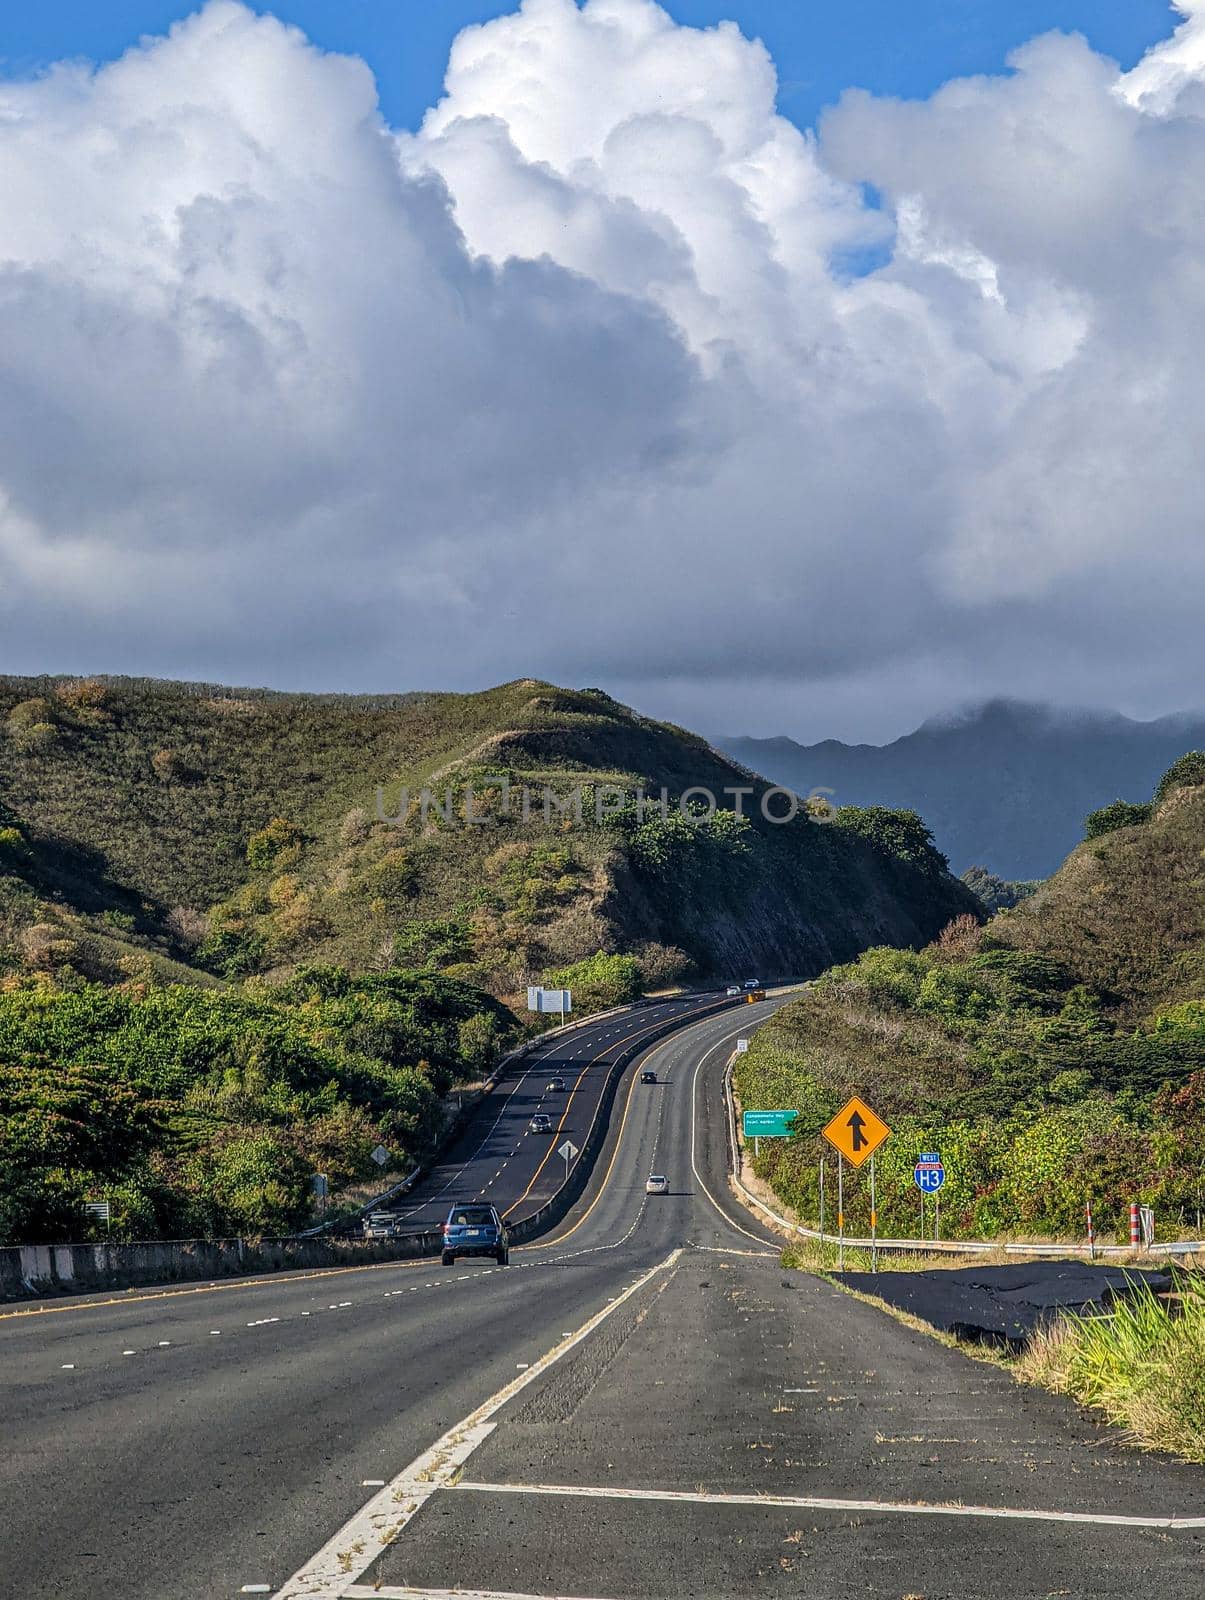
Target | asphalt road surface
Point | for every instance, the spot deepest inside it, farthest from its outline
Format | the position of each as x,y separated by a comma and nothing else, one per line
498,1158
643,1406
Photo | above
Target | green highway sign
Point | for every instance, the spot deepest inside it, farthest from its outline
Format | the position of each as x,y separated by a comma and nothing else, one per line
767,1124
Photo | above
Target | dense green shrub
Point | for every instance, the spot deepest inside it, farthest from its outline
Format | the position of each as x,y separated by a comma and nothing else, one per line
204,1110
598,982
1186,773
1121,814
276,845
898,833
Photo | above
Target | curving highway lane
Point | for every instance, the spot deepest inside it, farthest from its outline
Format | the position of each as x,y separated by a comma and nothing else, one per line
498,1158
644,1406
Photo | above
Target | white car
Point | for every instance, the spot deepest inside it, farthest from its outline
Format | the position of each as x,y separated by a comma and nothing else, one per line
733,988
657,1184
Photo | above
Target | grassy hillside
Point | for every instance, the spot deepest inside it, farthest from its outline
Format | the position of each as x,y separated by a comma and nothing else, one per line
236,831
1054,1056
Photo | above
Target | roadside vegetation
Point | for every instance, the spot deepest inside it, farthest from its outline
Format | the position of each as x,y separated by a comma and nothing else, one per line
1142,1364
1055,1056
198,1112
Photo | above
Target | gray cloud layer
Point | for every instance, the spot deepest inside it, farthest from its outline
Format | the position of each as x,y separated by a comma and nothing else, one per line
576,381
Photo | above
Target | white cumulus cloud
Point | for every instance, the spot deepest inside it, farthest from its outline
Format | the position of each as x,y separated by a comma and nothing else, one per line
608,372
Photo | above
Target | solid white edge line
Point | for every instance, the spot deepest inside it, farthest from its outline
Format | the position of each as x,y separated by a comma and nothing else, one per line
808,1502
694,1101
358,1592
377,1524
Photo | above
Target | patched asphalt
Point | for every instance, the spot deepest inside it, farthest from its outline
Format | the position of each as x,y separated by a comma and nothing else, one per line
1003,1304
726,1375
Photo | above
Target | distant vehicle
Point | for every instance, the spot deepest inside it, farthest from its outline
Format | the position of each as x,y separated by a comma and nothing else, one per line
756,994
554,1085
380,1225
540,1123
751,983
475,1231
733,988
648,1076
657,1184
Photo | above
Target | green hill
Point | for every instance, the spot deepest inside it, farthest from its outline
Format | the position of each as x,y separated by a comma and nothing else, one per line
236,831
1055,1056
220,970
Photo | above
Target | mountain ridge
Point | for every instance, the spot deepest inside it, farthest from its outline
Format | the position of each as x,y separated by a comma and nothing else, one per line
1004,784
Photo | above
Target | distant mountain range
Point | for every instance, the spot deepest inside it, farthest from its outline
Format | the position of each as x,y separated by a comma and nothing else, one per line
1005,785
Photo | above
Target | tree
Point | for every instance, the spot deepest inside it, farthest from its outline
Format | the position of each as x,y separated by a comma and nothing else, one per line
998,894
598,982
899,833
1121,814
1186,773
278,844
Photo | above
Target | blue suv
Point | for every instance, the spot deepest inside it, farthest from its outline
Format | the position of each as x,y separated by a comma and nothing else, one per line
475,1231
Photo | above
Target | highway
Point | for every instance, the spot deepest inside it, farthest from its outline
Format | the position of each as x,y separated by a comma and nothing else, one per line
645,1405
498,1158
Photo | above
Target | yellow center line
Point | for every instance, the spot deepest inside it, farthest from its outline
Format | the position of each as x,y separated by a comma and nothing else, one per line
617,1046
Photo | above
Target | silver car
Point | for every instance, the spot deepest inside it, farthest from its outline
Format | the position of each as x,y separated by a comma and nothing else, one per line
657,1184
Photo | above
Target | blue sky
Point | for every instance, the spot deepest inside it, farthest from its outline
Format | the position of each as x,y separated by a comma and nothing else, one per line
897,47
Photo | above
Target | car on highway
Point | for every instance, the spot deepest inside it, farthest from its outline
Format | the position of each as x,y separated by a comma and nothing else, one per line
475,1230
648,1076
733,988
657,1184
380,1225
555,1085
540,1123
751,983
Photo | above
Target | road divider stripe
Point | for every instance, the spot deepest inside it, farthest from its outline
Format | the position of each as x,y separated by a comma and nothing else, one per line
552,1147
810,1502
374,1528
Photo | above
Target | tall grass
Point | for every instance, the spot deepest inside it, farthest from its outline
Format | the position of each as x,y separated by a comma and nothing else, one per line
1142,1364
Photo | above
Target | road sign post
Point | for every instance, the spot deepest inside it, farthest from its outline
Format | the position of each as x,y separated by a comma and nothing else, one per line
856,1132
822,1198
568,1150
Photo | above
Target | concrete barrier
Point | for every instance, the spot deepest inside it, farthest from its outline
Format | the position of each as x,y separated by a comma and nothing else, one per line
27,1271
